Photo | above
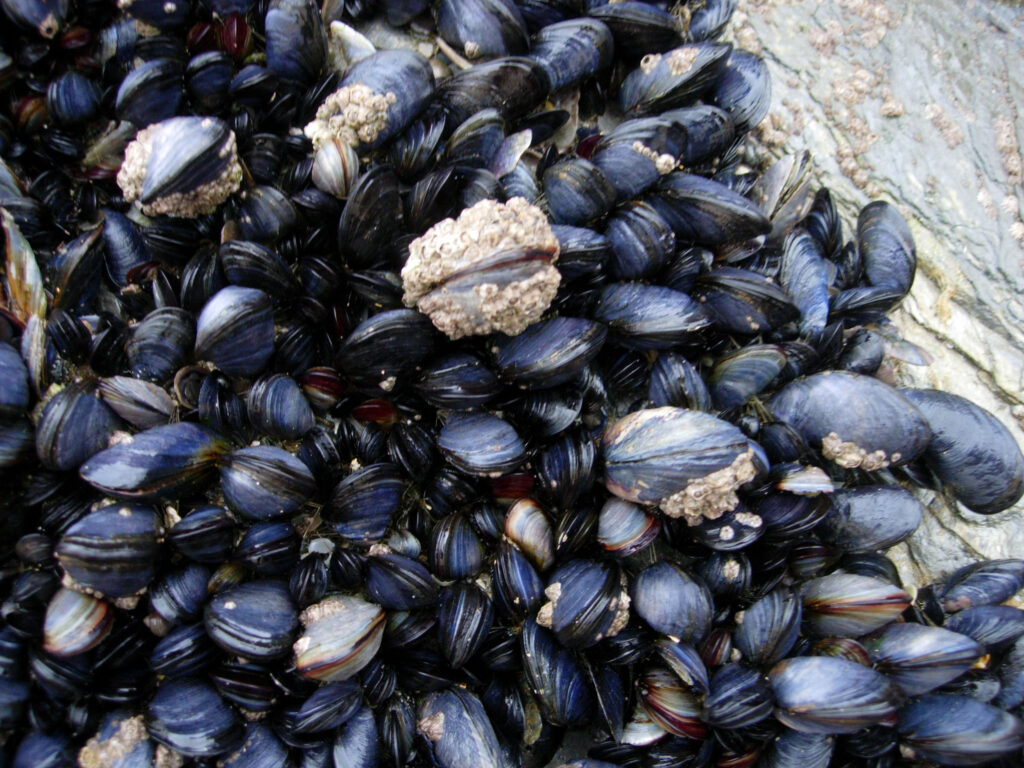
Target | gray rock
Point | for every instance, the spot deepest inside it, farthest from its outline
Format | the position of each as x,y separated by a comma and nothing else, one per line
916,103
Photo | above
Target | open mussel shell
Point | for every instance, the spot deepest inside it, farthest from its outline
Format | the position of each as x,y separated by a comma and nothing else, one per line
111,551
849,605
189,716
919,659
821,694
75,623
689,462
870,518
877,426
158,463
956,730
971,452
255,620
342,634
670,703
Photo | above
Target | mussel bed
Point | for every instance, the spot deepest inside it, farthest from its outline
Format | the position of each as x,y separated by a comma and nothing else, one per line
423,404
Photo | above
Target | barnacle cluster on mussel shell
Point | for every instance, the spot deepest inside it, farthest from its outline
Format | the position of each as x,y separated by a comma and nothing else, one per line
421,405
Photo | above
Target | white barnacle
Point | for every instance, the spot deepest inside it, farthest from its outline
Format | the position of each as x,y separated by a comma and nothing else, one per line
501,254
354,114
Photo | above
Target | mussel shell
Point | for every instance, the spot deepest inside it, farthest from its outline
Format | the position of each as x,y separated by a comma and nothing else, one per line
876,427
362,505
984,583
673,79
555,677
458,380
848,605
769,628
670,703
342,634
458,731
821,694
672,602
739,697
871,517
111,551
587,603
650,316
142,404
971,452
255,620
235,331
189,716
573,50
464,617
385,348
956,730
513,85
75,623
549,352
886,247
482,28
481,444
919,659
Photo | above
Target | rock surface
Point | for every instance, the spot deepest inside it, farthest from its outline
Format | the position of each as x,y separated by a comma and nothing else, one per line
916,103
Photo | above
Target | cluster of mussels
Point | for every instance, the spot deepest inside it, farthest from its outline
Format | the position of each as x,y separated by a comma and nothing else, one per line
356,413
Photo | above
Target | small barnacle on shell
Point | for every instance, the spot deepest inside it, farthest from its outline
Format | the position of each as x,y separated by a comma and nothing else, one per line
353,114
491,270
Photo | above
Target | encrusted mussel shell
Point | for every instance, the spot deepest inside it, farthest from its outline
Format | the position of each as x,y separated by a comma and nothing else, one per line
688,462
875,427
183,166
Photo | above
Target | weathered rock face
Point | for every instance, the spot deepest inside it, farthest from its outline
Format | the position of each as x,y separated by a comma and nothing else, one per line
917,103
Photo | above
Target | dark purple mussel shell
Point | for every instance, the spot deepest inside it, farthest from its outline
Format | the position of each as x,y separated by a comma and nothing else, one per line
556,678
672,602
587,602
386,348
482,28
464,617
111,551
673,79
263,482
572,51
919,659
886,247
870,517
256,620
705,212
189,716
876,427
822,694
988,582
670,703
650,316
362,506
481,444
971,452
159,463
458,731
769,628
956,730
739,697
549,352
235,331
75,425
